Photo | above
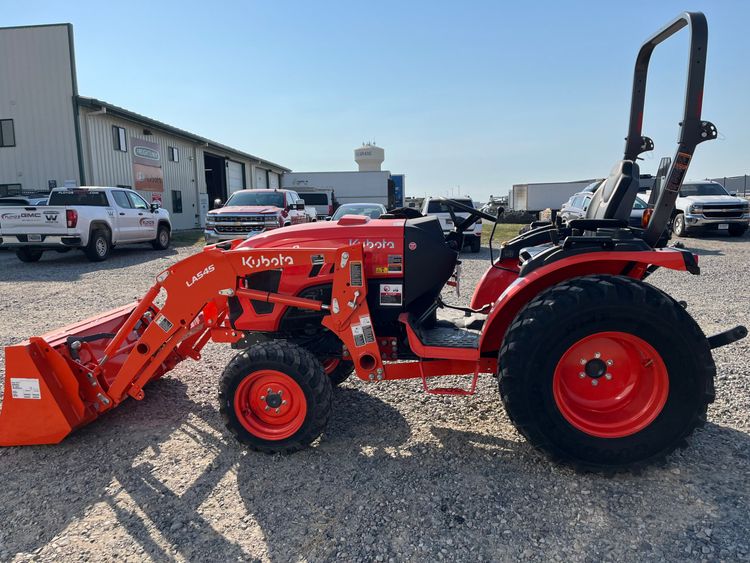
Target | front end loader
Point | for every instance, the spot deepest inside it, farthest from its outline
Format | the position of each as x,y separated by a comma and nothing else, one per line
596,368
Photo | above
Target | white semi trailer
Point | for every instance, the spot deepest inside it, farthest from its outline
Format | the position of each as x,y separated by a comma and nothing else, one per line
534,198
349,187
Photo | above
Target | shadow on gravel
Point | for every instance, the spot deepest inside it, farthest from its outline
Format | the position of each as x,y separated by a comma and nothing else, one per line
72,265
365,490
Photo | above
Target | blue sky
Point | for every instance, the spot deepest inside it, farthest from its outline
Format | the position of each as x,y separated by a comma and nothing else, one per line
479,95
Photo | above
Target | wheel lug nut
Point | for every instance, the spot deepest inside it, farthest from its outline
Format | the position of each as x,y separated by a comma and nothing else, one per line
594,382
280,392
583,361
262,397
278,410
267,407
610,362
269,390
608,376
598,355
283,402
582,374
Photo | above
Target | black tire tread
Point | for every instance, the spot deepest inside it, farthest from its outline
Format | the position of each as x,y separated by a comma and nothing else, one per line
575,294
90,249
290,355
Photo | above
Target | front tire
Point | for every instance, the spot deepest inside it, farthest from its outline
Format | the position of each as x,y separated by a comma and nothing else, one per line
605,373
163,237
736,230
679,228
275,397
99,246
26,254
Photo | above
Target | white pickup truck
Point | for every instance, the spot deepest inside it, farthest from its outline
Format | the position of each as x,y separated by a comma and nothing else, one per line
706,206
93,219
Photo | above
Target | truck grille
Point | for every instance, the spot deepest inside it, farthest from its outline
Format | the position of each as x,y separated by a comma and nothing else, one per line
239,218
723,211
239,228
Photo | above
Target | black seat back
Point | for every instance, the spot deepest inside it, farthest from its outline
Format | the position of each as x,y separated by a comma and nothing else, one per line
614,199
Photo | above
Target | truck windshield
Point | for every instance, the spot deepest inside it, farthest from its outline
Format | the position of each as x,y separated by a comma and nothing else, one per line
437,206
702,189
248,197
314,199
85,198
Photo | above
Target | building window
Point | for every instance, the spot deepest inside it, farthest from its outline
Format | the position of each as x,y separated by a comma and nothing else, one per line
176,201
10,189
7,133
174,154
119,139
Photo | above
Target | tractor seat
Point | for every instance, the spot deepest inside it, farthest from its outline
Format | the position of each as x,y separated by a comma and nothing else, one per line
527,253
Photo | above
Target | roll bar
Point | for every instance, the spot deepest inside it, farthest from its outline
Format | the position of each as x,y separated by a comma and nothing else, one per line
693,130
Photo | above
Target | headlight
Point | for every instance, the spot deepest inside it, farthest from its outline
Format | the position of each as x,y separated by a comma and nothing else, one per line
695,208
746,205
271,220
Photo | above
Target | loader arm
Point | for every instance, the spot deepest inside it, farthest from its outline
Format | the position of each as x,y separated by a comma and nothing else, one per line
61,381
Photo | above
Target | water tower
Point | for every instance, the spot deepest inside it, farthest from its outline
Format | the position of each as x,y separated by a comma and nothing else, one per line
369,157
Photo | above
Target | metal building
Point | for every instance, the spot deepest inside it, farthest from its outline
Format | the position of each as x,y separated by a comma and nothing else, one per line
50,136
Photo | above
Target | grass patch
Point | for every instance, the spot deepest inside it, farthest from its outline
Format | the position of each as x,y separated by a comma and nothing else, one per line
503,232
193,237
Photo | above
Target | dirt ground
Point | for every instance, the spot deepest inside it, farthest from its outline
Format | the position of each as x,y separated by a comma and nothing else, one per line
399,475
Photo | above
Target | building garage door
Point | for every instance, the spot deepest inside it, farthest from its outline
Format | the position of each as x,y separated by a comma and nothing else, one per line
261,179
273,180
235,176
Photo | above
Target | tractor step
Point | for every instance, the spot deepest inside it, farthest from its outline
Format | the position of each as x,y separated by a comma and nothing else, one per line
448,336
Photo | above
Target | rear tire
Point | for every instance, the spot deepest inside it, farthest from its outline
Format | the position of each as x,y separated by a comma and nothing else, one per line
660,380
99,246
163,237
736,230
289,417
26,254
678,225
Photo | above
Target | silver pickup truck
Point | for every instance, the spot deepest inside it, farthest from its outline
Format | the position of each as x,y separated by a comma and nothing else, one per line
93,219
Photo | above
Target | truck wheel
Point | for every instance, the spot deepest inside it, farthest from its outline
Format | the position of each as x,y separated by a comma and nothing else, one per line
605,373
29,254
737,230
99,246
476,244
275,397
678,225
337,370
163,236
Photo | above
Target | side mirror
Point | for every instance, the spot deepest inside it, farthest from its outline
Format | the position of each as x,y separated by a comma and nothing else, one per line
329,218
300,206
734,194
218,203
155,205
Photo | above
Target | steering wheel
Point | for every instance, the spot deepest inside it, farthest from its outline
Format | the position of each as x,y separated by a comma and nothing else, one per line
456,237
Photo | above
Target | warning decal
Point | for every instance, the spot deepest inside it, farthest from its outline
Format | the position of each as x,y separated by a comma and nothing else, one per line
163,323
395,262
367,331
391,294
25,388
355,274
359,335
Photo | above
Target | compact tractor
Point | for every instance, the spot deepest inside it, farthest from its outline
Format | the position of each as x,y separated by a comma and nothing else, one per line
596,368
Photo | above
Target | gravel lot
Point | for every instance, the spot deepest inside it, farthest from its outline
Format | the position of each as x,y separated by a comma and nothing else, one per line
399,475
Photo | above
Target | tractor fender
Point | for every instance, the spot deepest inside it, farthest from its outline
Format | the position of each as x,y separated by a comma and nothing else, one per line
629,263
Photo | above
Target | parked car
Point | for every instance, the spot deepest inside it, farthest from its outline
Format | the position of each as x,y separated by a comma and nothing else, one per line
249,212
371,210
707,207
434,206
24,199
578,204
321,200
93,219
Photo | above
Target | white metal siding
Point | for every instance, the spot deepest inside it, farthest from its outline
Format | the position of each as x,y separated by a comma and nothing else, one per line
261,178
36,91
273,180
235,177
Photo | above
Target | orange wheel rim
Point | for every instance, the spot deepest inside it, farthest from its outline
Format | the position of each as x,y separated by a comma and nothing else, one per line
610,384
270,405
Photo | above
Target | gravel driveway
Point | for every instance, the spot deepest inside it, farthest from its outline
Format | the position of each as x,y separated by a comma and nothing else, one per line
400,475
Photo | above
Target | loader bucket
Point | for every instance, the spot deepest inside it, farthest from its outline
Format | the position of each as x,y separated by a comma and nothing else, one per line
52,385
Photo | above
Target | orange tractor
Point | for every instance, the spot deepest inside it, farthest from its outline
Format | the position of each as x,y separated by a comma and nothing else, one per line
596,367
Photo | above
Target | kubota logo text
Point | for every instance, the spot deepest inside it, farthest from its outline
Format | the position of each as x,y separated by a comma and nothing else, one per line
266,262
200,275
377,244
